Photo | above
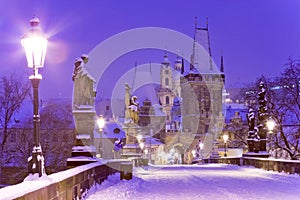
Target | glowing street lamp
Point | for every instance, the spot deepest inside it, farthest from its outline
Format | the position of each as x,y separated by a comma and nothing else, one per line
225,138
139,137
101,123
271,125
142,145
35,45
201,145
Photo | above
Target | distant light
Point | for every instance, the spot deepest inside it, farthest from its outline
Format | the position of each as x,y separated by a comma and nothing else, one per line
98,155
146,151
101,122
228,100
225,137
275,88
142,145
201,145
139,137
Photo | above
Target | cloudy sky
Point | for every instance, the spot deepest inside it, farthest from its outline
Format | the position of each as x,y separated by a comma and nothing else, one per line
256,37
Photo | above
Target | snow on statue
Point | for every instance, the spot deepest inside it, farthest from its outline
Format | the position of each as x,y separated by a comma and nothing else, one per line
133,109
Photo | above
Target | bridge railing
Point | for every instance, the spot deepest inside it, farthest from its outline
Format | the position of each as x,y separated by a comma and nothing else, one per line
288,166
69,184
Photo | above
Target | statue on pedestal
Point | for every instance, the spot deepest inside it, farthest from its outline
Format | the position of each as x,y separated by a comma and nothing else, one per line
132,106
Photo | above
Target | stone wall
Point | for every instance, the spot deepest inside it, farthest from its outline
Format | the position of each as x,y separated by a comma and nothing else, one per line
69,184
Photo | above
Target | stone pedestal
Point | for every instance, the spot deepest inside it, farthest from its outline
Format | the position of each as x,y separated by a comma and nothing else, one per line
215,151
254,149
84,149
132,145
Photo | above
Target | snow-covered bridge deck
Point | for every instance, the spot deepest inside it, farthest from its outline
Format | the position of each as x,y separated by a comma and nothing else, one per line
207,181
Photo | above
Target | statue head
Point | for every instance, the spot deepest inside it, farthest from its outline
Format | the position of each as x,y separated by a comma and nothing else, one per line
78,62
85,58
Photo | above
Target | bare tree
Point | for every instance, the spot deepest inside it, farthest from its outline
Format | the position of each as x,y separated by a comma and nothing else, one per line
13,91
286,109
58,133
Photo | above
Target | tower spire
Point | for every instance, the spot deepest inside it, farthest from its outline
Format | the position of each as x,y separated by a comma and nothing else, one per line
222,68
135,70
222,64
196,19
182,65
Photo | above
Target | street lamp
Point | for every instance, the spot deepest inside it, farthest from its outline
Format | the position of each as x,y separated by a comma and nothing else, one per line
35,45
201,145
142,145
271,125
101,124
139,137
225,138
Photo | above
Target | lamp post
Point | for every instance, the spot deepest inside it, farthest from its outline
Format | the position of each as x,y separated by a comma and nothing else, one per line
142,145
35,45
271,125
101,124
225,138
201,145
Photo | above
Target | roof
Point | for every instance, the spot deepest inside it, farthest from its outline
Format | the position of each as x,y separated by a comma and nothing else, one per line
231,108
109,131
153,142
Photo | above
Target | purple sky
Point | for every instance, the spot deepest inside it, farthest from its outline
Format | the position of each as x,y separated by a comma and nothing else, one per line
256,36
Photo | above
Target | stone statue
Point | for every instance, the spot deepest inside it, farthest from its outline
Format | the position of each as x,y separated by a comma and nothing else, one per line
84,92
132,107
127,100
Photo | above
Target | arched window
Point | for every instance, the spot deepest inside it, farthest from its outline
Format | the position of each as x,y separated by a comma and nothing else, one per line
167,100
166,81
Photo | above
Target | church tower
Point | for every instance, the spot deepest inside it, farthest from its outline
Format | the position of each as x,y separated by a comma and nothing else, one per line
176,77
165,92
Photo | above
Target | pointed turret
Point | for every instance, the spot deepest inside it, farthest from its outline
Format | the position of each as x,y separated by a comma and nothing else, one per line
222,65
222,69
182,66
166,60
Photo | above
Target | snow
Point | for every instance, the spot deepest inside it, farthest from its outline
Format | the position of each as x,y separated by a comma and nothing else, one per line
84,109
83,136
83,148
206,181
82,158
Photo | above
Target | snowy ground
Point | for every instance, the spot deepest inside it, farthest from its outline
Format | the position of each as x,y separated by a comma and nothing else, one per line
213,181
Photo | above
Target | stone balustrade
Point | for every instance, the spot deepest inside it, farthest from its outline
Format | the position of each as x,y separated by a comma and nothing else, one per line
278,165
69,184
